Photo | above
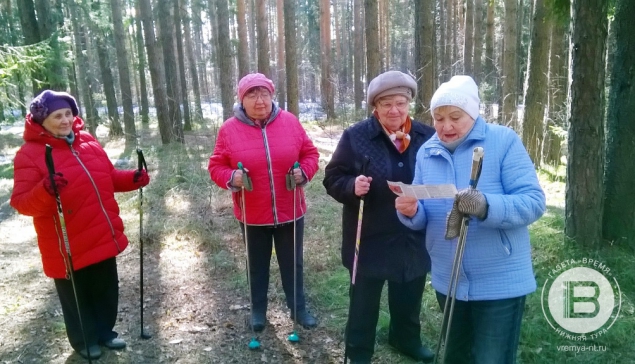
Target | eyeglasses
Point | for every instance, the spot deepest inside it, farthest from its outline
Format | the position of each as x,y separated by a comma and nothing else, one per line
388,105
265,96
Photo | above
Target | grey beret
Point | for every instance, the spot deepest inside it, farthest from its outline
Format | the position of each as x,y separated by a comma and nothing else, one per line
386,81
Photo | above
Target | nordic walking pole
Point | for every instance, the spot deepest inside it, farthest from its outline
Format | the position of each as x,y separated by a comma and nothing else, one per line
60,213
291,185
141,165
446,324
354,274
253,344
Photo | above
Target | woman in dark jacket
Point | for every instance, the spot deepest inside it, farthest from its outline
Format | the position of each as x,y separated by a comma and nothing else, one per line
86,182
379,149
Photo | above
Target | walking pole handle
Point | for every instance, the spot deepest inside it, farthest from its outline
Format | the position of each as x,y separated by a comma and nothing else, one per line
246,180
50,166
477,166
141,160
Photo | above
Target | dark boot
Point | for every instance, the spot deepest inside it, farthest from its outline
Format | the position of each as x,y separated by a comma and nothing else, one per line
305,319
94,352
420,353
258,320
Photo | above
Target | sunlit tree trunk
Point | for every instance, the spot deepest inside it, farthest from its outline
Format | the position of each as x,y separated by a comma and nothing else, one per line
510,66
107,82
537,82
243,47
263,38
479,29
180,55
83,68
373,61
358,60
225,59
141,70
191,66
281,86
155,60
291,60
326,85
124,72
166,33
468,47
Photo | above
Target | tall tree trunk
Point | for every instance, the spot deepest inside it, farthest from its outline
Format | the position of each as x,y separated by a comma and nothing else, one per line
263,38
619,210
83,68
424,58
558,90
180,54
281,86
155,60
225,59
358,60
373,65
326,86
510,66
107,82
124,72
479,16
253,54
537,82
143,86
584,191
291,60
201,64
243,47
191,62
166,29
468,47
491,76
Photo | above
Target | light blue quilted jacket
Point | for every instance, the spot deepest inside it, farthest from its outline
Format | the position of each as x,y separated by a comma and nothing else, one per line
497,260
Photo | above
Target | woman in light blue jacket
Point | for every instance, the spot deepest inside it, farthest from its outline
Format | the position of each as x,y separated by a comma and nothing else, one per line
496,273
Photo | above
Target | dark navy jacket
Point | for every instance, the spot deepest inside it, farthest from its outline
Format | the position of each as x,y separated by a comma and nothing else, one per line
388,250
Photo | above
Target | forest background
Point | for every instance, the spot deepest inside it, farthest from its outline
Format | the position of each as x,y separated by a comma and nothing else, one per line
161,75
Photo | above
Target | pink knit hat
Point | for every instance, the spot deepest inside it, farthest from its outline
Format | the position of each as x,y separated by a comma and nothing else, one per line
254,80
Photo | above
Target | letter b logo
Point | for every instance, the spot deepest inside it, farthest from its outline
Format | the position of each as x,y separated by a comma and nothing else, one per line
581,300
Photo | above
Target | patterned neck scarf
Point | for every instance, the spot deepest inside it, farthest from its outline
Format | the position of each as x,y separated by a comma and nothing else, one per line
401,137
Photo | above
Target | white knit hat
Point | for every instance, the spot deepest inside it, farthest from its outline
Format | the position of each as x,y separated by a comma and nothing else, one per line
460,91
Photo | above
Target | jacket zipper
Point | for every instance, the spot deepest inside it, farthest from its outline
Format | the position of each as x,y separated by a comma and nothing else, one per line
269,171
101,204
60,244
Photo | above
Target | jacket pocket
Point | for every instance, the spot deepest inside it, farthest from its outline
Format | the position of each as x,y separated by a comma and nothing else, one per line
505,244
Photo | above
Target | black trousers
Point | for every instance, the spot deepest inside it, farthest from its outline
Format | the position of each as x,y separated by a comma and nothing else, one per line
98,292
260,239
404,304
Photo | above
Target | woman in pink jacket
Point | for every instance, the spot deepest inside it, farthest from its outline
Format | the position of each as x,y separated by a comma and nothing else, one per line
86,182
268,141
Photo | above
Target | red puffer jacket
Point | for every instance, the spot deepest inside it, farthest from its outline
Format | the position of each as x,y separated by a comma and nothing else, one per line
95,230
267,153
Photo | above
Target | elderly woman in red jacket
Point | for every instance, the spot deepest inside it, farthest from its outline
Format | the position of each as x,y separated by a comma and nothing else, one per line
86,182
268,141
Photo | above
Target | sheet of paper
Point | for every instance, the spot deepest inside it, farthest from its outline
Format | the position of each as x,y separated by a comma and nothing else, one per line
423,192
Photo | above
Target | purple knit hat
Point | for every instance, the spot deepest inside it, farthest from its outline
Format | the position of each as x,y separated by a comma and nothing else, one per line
49,101
253,80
